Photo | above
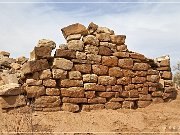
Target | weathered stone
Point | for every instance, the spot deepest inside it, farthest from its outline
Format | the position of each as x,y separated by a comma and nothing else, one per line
145,97
97,100
165,63
137,56
125,63
133,94
91,49
106,94
124,80
116,99
74,100
90,94
52,91
157,100
90,40
4,53
121,54
170,95
100,69
106,80
46,43
12,101
80,55
143,104
105,37
124,94
76,45
92,107
70,107
115,72
92,27
168,83
63,47
74,29
109,61
33,82
76,92
40,53
113,105
103,30
73,37
9,78
47,101
15,66
105,51
94,87
49,83
83,68
93,57
139,79
45,74
117,88
71,83
152,88
143,90
75,75
35,91
153,78
59,73
128,73
169,89
90,78
140,73
152,72
157,94
141,66
129,87
10,89
68,54
34,66
118,39
62,64
164,69
167,75
128,104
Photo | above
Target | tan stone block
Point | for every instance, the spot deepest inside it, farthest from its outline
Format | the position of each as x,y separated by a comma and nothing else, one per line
80,55
141,66
74,100
152,72
106,94
145,97
68,54
100,69
129,87
10,89
170,95
90,94
15,66
34,66
157,94
105,51
91,49
92,27
122,48
109,61
71,83
104,30
165,63
92,107
105,37
76,45
91,40
133,94
74,29
33,82
140,73
116,99
128,104
164,69
157,100
4,53
46,43
35,91
70,107
49,83
93,57
169,89
128,73
62,63
124,94
168,83
152,88
12,101
121,54
115,72
90,78
153,78
137,56
76,92
47,102
45,74
75,75
117,88
139,79
50,109
118,39
124,80
143,104
53,91
167,75
113,105
98,100
125,63
106,80
83,68
94,87
59,73
73,37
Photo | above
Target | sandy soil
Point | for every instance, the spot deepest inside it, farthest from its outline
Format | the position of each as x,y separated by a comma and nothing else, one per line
161,118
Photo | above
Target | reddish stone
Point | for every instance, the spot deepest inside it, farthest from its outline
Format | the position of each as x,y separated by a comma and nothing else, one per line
109,61
76,92
139,79
125,63
71,83
118,39
124,80
97,100
100,69
115,72
104,51
83,68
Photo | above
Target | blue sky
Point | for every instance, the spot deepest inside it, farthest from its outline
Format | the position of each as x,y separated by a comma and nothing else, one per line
152,29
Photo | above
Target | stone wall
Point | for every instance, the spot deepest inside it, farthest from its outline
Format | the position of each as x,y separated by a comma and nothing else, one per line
93,70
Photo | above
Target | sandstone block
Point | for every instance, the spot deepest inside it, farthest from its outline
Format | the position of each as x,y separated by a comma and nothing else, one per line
115,72
90,94
10,89
62,64
129,87
145,97
125,63
46,43
141,66
128,104
71,83
122,48
83,68
152,72
139,79
92,107
49,83
73,37
74,29
124,94
59,73
128,73
109,61
92,27
76,92
121,54
93,57
34,66
94,87
157,94
97,100
70,107
35,91
91,49
167,75
143,104
169,89
106,80
33,82
106,94
152,88
143,90
153,78
113,105
165,63
90,78
76,45
116,99
164,69
118,39
124,80
137,56
104,30
15,66
105,51
52,91
12,101
117,88
68,54
74,100
90,40
157,100
75,75
133,94
4,53
100,69
105,37
45,74
140,73
80,55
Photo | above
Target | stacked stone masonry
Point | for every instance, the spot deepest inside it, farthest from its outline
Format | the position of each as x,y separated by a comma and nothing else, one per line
93,70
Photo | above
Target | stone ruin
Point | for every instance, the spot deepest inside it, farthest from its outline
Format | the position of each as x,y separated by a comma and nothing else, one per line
93,70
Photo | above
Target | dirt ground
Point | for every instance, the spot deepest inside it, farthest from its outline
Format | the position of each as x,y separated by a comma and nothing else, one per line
161,118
